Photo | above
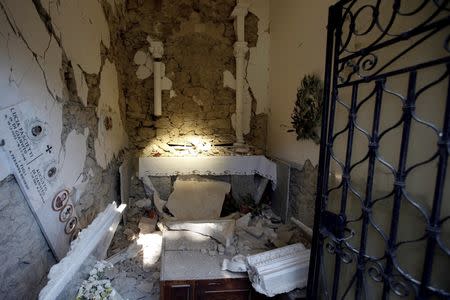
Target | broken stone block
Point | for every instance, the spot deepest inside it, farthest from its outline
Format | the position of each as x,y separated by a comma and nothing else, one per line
196,200
147,225
143,72
220,230
163,184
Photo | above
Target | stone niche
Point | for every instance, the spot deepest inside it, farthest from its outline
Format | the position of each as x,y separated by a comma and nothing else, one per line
198,39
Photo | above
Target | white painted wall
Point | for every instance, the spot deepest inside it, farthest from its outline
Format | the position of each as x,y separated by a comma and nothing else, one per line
38,78
297,48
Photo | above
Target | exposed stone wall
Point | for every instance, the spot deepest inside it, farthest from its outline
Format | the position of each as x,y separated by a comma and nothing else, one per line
302,192
99,186
25,255
198,37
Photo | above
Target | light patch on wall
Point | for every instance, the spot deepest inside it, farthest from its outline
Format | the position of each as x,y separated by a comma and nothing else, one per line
228,80
22,79
258,64
74,157
82,26
24,17
109,141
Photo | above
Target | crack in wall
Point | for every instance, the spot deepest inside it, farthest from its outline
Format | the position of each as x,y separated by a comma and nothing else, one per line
35,55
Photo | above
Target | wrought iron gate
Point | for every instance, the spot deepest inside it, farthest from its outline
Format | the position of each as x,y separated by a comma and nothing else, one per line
382,216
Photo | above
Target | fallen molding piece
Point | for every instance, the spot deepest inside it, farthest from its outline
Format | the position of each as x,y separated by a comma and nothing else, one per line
91,245
280,270
220,230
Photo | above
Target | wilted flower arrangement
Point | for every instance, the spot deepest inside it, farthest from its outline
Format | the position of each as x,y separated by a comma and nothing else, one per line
308,108
95,287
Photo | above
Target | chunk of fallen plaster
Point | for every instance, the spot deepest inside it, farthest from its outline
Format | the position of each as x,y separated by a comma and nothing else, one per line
220,230
143,72
257,231
197,200
140,58
236,264
144,203
147,225
244,220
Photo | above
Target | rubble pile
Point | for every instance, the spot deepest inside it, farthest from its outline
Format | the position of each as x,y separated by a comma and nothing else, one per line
222,244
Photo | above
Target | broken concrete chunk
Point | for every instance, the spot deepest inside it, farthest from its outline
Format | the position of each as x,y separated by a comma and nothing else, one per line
220,230
143,72
243,221
147,225
197,200
236,264
144,203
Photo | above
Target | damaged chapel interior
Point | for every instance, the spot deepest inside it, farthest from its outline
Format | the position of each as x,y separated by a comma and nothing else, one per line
224,149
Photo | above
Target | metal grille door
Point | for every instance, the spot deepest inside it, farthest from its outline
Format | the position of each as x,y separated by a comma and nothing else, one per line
382,218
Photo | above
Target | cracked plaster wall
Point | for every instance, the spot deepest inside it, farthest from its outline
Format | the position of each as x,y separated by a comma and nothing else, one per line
198,37
293,54
56,55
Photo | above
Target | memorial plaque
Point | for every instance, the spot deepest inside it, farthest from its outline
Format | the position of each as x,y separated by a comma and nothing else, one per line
25,140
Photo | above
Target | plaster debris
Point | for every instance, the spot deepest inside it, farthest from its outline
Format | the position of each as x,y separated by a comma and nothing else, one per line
80,22
147,225
220,230
144,203
166,84
196,200
237,264
109,142
140,58
143,72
